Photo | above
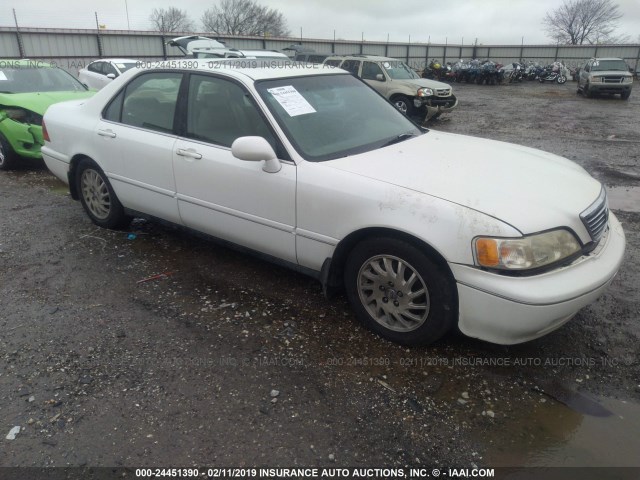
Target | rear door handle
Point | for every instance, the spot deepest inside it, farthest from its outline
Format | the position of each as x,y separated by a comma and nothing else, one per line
107,133
189,153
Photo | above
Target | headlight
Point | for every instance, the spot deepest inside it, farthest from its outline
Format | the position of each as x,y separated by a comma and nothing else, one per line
596,79
628,80
425,92
524,253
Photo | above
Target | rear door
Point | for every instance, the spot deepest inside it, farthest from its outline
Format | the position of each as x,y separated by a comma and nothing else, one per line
135,139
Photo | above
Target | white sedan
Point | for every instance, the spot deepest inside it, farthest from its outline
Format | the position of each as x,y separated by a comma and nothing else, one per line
423,230
100,73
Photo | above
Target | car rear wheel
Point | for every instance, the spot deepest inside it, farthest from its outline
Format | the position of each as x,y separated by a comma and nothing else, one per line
7,155
399,292
97,196
404,104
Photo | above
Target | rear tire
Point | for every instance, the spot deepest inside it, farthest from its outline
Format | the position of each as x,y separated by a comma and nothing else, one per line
399,292
98,198
7,156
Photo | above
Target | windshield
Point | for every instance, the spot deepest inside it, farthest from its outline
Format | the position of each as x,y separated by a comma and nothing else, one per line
617,65
333,116
399,70
19,79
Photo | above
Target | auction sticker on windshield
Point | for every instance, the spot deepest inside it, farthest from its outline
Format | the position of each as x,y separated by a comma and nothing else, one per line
291,100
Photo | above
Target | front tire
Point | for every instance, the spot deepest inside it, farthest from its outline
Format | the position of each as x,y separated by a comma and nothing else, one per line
587,92
98,198
404,104
561,79
7,156
625,95
399,292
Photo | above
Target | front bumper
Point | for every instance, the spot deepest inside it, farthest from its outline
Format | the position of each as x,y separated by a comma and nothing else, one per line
507,310
612,88
436,105
25,139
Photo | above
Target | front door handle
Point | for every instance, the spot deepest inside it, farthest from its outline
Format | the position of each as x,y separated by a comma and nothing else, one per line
189,153
107,133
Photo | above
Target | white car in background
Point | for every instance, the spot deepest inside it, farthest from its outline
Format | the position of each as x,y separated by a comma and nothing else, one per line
425,231
100,73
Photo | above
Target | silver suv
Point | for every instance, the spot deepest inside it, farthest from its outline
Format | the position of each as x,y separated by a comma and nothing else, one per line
397,82
605,75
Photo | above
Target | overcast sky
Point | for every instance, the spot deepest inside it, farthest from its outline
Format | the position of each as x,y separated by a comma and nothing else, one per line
490,21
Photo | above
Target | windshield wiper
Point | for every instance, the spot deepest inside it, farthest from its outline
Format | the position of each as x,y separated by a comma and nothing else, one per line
400,138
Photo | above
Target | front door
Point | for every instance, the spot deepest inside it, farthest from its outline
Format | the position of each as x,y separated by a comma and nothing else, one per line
221,195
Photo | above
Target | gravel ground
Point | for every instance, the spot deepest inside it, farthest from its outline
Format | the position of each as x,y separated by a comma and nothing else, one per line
230,361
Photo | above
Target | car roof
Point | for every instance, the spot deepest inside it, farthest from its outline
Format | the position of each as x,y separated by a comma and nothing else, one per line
374,58
252,68
115,60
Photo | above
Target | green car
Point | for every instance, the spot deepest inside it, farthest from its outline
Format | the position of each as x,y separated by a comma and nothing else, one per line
27,88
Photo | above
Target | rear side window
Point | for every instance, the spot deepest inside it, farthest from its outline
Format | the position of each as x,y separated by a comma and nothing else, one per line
351,66
150,101
333,63
113,112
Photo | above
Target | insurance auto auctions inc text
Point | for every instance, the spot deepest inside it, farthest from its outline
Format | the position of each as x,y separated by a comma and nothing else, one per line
277,473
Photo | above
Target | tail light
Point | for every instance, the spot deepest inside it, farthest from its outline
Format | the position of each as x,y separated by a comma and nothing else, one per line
45,134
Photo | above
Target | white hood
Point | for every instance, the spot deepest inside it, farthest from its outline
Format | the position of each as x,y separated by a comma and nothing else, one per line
527,188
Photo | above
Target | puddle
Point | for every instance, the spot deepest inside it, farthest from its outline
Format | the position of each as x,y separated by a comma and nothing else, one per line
553,435
626,199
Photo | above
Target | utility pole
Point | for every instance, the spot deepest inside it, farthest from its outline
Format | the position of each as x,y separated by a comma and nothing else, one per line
18,35
126,7
99,40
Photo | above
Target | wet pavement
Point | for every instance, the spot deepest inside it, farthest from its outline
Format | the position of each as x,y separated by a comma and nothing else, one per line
106,362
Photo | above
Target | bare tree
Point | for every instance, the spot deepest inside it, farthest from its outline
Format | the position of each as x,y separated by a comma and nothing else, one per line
577,22
244,17
170,20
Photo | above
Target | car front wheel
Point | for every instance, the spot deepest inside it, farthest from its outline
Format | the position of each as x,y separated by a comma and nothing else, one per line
404,104
399,292
7,155
97,196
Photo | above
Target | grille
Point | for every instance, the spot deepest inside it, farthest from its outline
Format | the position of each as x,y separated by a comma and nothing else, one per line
612,79
443,92
596,217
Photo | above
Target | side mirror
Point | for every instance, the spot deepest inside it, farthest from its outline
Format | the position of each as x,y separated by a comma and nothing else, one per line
111,75
380,77
256,149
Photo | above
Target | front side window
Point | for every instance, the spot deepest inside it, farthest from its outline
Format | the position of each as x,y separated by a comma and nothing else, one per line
333,116
108,68
219,111
95,67
371,70
150,101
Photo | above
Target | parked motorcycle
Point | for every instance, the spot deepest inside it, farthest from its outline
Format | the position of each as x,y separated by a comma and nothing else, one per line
553,73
